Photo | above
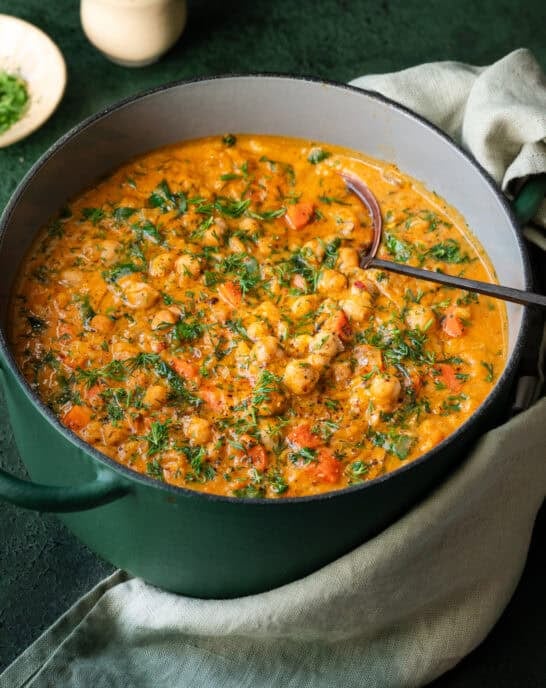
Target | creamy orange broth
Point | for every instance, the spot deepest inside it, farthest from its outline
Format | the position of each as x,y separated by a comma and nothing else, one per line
200,316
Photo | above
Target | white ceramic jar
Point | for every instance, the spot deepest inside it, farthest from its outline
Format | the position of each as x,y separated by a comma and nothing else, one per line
133,33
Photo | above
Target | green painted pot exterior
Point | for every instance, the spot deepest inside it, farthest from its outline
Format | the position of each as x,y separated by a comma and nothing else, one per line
205,545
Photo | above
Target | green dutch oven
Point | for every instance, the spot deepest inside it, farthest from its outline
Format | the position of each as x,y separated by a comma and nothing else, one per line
205,545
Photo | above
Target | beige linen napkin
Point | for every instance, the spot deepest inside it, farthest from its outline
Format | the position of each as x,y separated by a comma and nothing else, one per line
399,610
498,113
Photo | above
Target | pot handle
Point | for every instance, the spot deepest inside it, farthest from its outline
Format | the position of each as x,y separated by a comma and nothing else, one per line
528,199
105,488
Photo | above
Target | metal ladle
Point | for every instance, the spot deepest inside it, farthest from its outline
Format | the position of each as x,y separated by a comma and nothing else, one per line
368,260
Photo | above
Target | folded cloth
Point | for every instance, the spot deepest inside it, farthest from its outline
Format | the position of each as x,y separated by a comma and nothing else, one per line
498,113
399,610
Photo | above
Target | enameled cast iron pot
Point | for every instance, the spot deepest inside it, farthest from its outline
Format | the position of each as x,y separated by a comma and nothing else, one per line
205,545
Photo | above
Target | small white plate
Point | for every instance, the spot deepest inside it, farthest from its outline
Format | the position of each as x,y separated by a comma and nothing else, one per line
31,54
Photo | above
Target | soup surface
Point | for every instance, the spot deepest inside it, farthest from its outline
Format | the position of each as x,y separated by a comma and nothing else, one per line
201,317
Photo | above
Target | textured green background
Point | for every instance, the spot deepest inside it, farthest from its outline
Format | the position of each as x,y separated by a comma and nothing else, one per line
42,568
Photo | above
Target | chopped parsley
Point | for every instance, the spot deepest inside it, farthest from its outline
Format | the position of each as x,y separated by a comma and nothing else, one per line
201,470
120,270
400,250
394,443
163,198
123,213
267,384
318,155
14,100
93,215
448,251
115,370
157,438
188,330
490,371
179,391
149,230
268,214
154,469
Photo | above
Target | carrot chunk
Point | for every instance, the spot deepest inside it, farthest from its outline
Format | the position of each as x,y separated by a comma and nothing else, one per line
448,376
92,395
258,456
299,214
452,325
302,437
339,324
231,293
327,468
213,397
185,368
77,418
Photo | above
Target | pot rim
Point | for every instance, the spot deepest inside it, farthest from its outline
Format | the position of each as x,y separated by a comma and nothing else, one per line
506,375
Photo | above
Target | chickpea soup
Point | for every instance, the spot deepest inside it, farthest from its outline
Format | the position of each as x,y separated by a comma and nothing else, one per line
201,317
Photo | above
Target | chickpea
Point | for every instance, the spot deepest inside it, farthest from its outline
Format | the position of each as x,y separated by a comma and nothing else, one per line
300,377
242,350
353,431
71,278
220,312
198,430
155,396
367,357
357,307
268,311
359,400
257,330
360,290
249,224
331,281
430,435
346,229
187,266
385,391
282,331
299,345
268,436
264,248
326,344
420,318
361,282
121,351
138,294
101,323
318,361
313,252
303,305
92,432
266,349
109,250
160,265
272,405
348,260
214,235
163,317
113,435
269,276
341,372
236,245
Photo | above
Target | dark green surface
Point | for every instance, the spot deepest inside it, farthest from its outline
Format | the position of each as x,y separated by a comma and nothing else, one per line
43,568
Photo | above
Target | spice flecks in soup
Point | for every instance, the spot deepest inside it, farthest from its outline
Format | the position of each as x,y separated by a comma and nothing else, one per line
201,317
